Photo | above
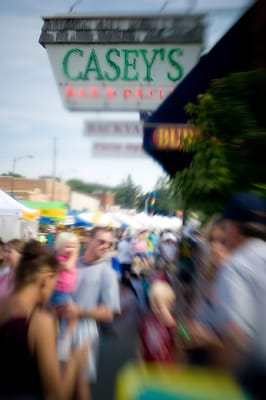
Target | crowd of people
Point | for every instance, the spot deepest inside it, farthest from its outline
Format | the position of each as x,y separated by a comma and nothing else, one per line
184,298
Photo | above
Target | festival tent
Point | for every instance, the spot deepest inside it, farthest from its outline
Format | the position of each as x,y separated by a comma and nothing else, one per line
56,210
45,220
161,222
157,222
143,219
100,218
16,220
73,219
126,220
139,221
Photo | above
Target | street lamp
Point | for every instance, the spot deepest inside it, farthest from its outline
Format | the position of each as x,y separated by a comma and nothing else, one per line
15,159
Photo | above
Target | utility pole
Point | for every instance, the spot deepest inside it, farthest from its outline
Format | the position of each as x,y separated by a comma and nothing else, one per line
54,167
15,159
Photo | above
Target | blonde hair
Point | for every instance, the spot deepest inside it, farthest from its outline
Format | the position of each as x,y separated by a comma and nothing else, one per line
161,290
64,238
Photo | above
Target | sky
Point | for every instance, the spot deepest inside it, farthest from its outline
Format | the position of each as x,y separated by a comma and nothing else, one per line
33,120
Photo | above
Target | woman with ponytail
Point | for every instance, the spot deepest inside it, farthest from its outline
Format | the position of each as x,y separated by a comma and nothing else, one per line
28,334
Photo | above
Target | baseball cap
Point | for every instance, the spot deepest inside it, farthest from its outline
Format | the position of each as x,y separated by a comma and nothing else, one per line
246,207
169,236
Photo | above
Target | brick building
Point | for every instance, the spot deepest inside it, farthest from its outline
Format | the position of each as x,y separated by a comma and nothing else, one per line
107,200
51,190
36,189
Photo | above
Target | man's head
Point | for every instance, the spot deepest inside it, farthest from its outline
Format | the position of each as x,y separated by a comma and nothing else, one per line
100,240
169,237
244,216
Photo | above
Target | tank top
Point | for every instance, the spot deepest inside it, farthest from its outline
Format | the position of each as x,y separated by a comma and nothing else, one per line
20,376
157,340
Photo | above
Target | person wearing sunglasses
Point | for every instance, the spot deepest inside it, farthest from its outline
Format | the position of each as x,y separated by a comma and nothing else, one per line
96,297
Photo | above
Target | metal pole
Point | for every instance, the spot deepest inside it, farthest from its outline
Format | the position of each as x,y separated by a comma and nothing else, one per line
13,173
54,169
15,159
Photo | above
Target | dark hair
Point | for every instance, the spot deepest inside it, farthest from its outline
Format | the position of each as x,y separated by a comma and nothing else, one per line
252,229
93,232
246,208
16,244
35,258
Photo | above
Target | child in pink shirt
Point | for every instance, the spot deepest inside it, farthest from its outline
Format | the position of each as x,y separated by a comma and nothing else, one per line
66,245
67,248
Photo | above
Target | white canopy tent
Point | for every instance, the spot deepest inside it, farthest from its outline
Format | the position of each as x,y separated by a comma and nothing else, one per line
16,220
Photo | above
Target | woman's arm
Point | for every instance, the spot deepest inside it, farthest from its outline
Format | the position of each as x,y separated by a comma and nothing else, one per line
201,336
57,385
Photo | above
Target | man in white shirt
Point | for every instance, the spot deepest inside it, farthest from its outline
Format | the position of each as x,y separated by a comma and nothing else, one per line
96,298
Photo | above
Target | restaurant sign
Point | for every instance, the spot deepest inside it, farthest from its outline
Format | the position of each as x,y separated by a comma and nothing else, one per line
118,150
120,63
173,137
120,77
110,128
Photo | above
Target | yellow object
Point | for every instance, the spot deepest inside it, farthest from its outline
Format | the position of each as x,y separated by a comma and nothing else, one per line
150,381
30,215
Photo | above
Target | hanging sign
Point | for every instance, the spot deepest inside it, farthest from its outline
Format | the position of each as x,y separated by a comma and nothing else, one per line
173,137
129,63
118,150
113,128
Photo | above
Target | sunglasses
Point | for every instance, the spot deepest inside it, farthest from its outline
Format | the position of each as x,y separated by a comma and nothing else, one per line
216,240
102,242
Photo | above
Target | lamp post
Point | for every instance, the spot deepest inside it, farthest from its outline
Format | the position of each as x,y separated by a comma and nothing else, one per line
15,159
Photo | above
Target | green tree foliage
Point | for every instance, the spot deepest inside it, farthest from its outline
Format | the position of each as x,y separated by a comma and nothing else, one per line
167,201
11,174
127,194
230,151
87,188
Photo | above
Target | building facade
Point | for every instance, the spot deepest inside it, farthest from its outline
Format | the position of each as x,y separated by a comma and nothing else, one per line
36,189
52,190
81,202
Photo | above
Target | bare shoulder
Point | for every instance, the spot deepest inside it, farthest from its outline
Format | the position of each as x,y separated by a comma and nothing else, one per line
4,310
41,329
42,320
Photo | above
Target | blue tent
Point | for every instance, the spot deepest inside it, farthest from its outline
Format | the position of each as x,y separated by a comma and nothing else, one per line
45,220
81,222
73,219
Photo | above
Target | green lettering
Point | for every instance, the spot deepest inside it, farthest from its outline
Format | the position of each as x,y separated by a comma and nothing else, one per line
148,63
130,64
93,66
112,64
175,64
66,66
